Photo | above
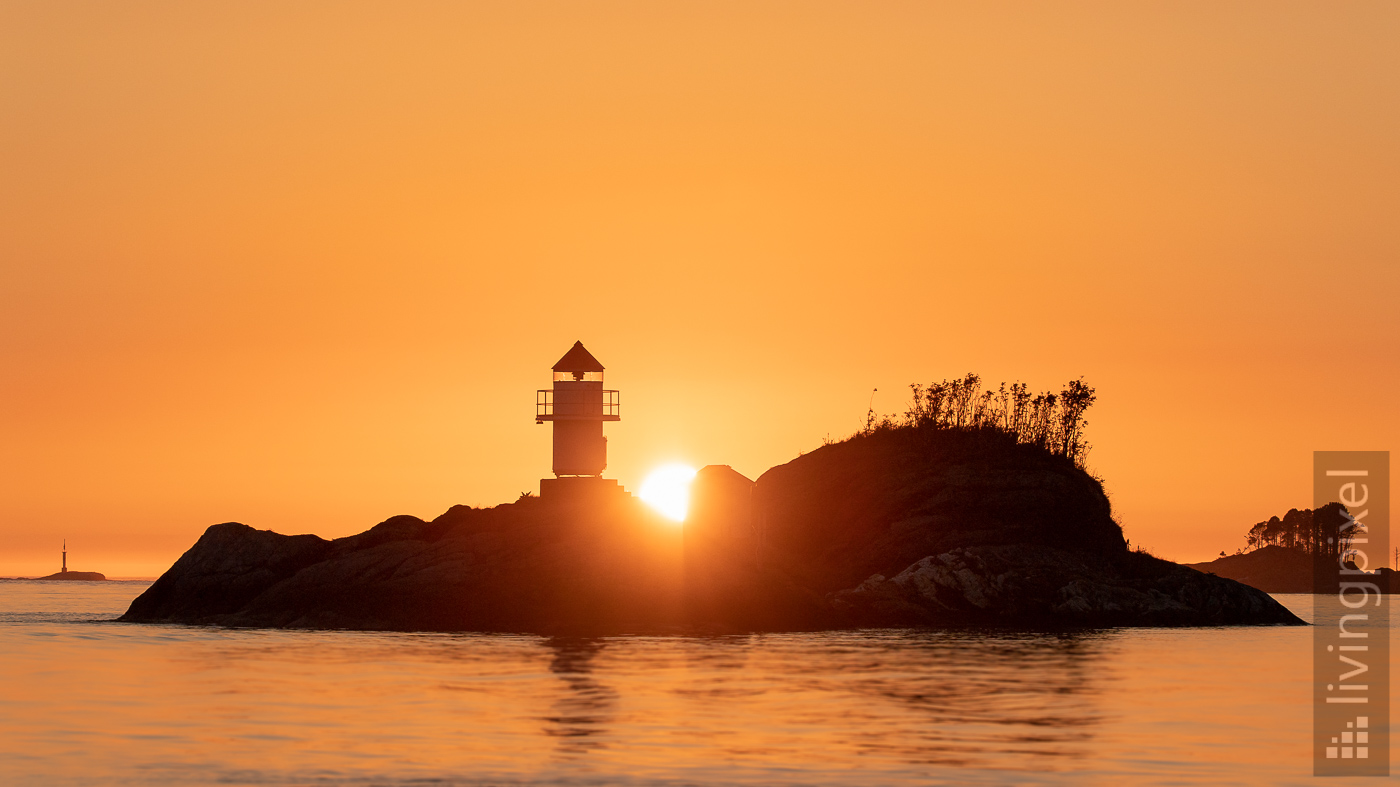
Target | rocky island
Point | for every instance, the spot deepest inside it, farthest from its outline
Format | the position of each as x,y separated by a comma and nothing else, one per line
74,576
64,575
916,523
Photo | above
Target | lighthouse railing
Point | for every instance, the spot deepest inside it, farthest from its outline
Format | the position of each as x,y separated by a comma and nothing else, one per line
550,404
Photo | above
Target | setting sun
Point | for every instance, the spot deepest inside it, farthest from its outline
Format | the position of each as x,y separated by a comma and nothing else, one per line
667,490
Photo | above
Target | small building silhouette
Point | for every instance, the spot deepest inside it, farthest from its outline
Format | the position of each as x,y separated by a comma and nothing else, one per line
577,406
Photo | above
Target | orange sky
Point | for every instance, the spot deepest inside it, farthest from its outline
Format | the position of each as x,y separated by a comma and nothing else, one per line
304,267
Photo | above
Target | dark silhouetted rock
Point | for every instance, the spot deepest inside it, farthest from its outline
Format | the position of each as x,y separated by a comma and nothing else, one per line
228,567
522,567
972,528
876,503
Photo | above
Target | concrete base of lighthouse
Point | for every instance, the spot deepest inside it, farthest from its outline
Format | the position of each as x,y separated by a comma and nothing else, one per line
581,489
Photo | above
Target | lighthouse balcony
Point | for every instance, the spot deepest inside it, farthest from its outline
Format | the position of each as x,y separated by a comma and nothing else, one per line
594,405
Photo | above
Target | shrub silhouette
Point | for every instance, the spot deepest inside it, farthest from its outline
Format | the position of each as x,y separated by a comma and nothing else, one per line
1049,421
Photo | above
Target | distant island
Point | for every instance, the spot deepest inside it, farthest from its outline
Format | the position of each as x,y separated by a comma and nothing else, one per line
971,509
64,575
74,576
1281,553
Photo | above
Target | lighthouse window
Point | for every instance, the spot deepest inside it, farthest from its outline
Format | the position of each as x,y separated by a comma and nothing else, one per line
582,377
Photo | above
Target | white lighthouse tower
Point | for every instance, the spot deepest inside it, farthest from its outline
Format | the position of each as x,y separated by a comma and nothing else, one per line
577,405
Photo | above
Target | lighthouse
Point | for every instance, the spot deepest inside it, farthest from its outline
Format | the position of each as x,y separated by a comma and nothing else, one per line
577,405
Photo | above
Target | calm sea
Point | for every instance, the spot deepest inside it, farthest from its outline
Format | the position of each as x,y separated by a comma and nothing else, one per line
88,702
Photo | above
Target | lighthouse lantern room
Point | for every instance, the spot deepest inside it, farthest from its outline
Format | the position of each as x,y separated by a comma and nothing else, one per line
578,406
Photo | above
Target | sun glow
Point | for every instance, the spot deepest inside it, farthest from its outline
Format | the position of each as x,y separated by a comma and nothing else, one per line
667,490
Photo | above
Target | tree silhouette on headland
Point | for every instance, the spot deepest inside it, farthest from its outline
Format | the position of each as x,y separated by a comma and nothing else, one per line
1323,532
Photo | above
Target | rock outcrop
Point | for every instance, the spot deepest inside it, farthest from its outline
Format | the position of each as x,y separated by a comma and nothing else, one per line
970,528
1052,587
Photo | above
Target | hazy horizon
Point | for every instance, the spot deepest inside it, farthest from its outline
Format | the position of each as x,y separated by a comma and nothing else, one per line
305,269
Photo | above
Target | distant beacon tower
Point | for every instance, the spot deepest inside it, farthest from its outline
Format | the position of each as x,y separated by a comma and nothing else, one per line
64,569
578,406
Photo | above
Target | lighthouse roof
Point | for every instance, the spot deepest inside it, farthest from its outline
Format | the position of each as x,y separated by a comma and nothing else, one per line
578,359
